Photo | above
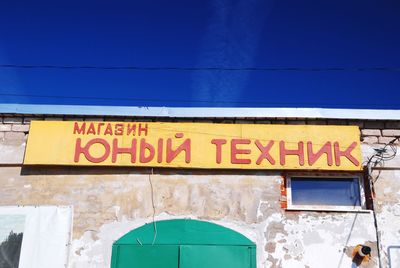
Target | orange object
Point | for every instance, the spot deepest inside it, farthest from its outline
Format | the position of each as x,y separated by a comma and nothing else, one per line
361,254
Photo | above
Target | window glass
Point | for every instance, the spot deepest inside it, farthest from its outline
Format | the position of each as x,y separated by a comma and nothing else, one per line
325,191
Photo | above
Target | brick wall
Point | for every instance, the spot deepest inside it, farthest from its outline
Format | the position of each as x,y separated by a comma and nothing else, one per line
16,127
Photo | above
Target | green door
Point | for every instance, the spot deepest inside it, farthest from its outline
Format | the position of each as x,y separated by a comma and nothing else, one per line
133,256
183,244
214,256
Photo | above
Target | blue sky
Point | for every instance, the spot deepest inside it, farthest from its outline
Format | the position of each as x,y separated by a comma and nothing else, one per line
216,33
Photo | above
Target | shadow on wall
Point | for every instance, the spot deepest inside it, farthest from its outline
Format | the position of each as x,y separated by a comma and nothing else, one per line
107,170
394,256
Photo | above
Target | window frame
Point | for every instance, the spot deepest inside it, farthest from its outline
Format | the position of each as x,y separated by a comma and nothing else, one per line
358,208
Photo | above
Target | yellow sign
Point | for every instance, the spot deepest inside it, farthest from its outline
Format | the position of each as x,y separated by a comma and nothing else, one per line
194,145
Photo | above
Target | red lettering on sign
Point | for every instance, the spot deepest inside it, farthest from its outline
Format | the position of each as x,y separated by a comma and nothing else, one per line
108,130
284,152
325,149
121,150
172,154
131,128
144,146
346,153
85,150
265,152
142,129
160,150
119,129
79,130
236,151
178,135
99,125
218,147
91,129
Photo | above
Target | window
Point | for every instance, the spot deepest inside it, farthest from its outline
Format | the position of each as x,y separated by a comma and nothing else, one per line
325,193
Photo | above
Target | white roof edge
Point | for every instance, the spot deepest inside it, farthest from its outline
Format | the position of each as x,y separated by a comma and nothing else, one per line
203,112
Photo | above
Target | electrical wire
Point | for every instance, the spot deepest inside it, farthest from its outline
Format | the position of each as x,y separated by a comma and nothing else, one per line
154,207
314,104
378,159
380,156
137,99
205,68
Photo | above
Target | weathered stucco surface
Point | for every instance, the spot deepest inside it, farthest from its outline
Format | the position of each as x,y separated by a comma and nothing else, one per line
109,202
387,207
12,152
388,214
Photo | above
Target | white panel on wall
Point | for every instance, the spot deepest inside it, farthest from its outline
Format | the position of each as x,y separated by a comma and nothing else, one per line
46,234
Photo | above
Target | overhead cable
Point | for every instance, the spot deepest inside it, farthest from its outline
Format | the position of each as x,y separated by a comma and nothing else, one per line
207,68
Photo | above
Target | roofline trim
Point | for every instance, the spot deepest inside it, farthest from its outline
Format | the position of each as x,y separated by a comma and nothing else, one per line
200,112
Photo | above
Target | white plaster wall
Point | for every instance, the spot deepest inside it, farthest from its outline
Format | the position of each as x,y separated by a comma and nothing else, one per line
11,153
249,204
387,206
388,216
307,241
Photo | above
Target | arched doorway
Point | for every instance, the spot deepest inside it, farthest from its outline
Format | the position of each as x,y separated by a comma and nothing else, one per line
183,243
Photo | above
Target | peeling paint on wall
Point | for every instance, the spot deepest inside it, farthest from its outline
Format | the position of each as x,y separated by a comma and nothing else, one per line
308,241
388,216
87,252
111,202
